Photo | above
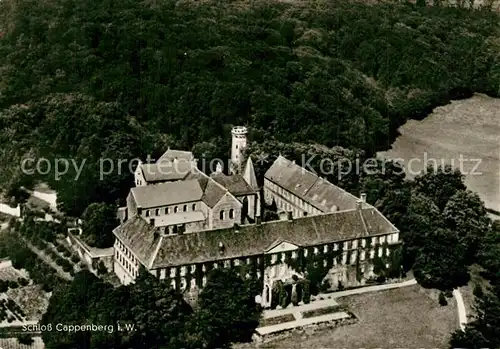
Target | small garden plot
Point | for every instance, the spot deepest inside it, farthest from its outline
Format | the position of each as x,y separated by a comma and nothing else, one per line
321,311
33,300
277,320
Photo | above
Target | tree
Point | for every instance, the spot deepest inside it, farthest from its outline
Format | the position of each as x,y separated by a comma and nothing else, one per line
483,331
99,220
441,262
228,312
439,184
466,215
422,217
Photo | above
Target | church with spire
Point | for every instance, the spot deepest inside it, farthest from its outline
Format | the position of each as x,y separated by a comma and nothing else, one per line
180,223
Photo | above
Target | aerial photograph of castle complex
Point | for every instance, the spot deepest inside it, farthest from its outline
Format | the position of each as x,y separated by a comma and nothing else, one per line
242,174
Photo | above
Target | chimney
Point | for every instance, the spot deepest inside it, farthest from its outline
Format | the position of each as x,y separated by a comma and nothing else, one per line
359,204
363,197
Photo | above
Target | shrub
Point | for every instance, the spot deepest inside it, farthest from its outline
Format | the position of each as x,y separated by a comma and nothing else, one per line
75,259
442,299
67,253
13,284
4,286
478,291
60,248
67,267
25,339
23,282
306,294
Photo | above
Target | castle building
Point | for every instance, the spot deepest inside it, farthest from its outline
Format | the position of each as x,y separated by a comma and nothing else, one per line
181,229
294,189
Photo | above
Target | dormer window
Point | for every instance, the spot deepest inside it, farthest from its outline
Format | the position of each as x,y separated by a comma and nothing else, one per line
176,209
194,207
157,211
185,208
147,213
221,215
167,210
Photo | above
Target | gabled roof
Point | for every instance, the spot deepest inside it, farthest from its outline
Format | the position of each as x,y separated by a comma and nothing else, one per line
249,175
236,184
311,188
213,193
168,193
250,240
163,171
171,155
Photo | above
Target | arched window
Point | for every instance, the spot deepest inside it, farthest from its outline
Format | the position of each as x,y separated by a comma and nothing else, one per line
176,209
157,211
167,210
185,208
221,215
194,207
231,214
147,213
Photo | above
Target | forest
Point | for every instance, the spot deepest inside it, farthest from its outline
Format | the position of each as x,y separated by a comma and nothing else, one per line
122,79
87,80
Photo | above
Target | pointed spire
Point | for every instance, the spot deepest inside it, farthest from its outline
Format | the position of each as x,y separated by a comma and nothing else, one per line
249,175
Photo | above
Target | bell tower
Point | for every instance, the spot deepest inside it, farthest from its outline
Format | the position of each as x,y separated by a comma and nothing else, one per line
238,145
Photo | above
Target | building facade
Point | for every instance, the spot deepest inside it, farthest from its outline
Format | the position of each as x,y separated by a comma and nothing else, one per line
181,229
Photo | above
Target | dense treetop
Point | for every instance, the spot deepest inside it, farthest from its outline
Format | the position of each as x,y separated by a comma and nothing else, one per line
91,79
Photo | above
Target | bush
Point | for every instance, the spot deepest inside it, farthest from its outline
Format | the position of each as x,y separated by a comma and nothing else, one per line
13,284
75,259
67,267
60,248
25,339
4,286
442,299
478,291
306,294
23,282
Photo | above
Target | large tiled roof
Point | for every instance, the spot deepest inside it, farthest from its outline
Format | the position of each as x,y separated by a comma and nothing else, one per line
163,171
213,193
168,193
171,155
248,240
310,187
236,184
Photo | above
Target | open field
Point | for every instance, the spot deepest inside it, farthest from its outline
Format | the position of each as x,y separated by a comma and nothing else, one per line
469,128
408,317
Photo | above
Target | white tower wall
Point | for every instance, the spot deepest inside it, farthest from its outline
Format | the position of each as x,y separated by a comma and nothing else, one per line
238,144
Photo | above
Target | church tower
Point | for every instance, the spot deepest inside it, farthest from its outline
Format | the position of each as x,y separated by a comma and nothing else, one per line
238,145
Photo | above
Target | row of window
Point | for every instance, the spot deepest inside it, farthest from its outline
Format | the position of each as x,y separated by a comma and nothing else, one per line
222,214
131,268
166,210
182,271
295,204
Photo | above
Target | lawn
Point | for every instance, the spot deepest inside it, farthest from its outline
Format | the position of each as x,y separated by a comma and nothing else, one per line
277,320
408,317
